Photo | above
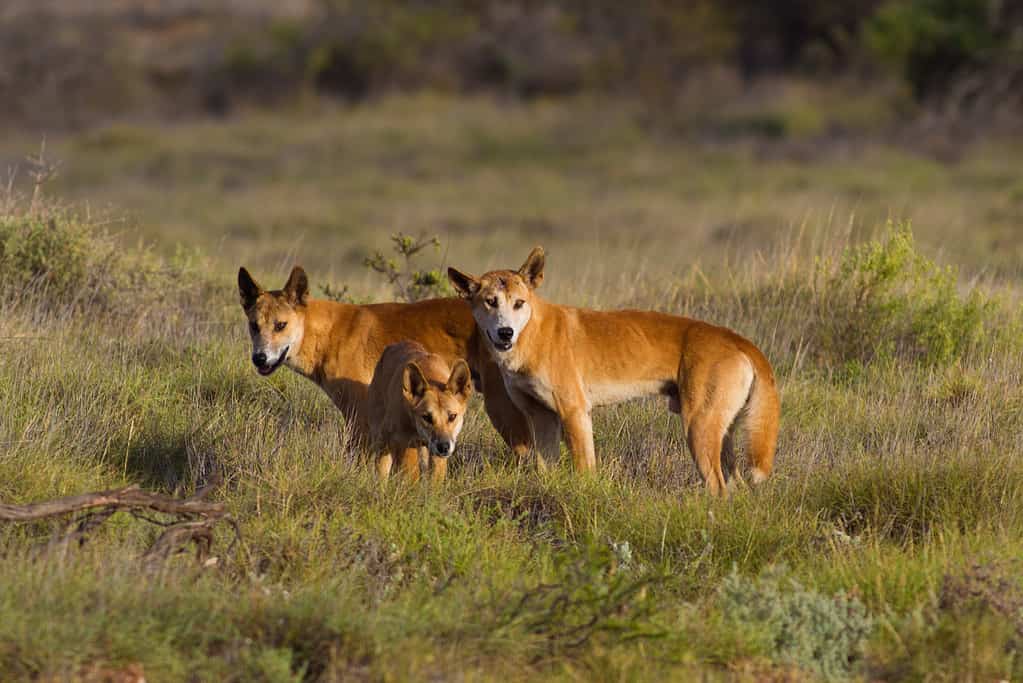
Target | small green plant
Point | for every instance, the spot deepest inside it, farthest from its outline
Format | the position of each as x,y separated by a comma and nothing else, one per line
802,627
340,294
410,283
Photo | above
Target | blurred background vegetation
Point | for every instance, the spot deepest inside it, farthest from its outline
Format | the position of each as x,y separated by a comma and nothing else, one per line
74,63
311,130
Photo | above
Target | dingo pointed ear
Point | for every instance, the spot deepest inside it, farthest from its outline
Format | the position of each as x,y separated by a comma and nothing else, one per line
413,382
297,287
532,270
460,381
466,285
248,289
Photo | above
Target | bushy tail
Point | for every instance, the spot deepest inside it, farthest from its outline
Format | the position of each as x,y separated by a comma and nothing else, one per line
761,418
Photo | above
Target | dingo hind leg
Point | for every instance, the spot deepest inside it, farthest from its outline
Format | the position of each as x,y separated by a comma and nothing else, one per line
713,392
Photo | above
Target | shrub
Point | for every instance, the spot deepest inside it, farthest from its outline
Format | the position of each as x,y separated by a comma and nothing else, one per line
885,299
801,626
51,252
56,258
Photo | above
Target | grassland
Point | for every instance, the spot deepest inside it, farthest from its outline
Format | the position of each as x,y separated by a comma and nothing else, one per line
887,546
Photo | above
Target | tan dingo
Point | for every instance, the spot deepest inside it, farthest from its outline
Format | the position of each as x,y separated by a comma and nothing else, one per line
337,345
415,401
559,362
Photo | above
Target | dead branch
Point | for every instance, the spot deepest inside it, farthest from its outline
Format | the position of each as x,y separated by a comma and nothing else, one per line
191,520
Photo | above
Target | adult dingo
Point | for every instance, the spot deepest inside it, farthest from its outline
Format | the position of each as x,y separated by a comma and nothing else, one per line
337,345
415,401
558,362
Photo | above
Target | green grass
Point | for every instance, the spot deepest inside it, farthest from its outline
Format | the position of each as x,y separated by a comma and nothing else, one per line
899,479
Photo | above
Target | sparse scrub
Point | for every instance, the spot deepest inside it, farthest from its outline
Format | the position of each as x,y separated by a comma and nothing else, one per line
815,632
595,598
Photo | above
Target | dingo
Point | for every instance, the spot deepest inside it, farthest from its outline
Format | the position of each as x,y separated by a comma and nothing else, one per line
337,345
415,401
559,362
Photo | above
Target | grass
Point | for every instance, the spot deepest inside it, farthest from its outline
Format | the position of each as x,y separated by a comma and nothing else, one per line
606,192
884,547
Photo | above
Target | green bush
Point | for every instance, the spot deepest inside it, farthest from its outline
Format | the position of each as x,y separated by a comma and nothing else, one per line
886,299
51,252
800,626
934,41
57,258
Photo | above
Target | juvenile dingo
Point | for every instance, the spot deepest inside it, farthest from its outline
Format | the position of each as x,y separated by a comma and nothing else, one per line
337,345
559,362
414,401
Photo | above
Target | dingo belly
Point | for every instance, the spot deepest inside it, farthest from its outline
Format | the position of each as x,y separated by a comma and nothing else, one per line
607,393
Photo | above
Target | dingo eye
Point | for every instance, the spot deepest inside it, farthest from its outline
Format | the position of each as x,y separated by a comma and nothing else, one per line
254,327
428,419
519,303
280,325
451,417
492,302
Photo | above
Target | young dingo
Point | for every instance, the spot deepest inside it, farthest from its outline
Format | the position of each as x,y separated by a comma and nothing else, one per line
415,401
559,362
337,345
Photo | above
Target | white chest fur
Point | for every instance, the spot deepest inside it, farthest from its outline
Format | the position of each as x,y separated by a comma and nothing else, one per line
533,385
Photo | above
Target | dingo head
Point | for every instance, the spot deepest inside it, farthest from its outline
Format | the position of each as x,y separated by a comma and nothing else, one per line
437,409
276,318
501,299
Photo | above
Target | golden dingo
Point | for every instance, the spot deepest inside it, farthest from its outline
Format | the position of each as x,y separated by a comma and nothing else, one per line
416,401
559,362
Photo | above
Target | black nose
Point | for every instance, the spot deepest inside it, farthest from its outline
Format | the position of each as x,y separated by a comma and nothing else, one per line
442,447
259,359
505,333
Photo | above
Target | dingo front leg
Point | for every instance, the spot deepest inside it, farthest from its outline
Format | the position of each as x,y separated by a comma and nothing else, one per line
409,462
579,427
438,468
545,426
384,462
504,414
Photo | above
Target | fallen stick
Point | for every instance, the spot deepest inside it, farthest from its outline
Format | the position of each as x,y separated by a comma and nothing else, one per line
193,518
